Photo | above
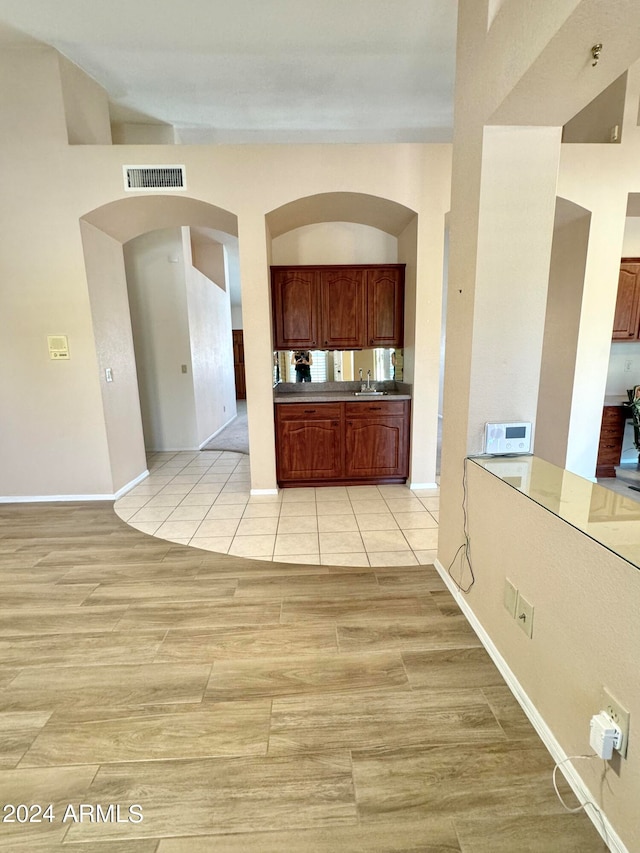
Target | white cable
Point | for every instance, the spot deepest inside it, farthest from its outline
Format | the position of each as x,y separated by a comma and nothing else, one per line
587,803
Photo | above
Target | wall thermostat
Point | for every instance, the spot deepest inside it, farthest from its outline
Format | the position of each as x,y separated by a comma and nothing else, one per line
507,438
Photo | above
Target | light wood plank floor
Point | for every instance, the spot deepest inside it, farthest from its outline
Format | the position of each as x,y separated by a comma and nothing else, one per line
251,706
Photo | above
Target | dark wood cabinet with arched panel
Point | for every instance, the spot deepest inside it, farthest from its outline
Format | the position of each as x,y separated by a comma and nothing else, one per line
337,306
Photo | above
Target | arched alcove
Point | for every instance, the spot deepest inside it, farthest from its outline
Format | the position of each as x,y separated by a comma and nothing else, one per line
401,222
104,232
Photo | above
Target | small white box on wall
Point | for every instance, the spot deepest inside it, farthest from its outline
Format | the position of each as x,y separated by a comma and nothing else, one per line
507,438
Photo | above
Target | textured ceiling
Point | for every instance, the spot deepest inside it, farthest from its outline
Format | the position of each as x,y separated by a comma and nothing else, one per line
260,70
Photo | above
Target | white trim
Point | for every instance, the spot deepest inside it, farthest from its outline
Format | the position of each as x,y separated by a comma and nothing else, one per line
31,499
27,499
578,786
131,484
264,492
217,432
423,486
172,449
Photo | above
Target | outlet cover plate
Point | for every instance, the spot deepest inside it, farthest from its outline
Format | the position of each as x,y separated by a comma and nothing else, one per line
510,597
620,717
524,615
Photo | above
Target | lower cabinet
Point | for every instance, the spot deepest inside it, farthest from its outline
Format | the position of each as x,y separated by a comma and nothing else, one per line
611,436
308,441
342,443
377,440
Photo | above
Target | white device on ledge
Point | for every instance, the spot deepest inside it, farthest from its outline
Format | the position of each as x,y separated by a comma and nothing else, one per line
512,437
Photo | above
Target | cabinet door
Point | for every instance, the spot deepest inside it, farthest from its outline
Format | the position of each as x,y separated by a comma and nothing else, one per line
295,297
308,442
627,316
377,444
385,307
343,309
611,436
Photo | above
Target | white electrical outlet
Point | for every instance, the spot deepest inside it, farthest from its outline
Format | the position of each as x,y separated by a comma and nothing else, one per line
628,365
620,717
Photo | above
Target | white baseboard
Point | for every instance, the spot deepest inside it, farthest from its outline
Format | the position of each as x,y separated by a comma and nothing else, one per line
264,492
217,432
578,786
131,485
423,486
30,499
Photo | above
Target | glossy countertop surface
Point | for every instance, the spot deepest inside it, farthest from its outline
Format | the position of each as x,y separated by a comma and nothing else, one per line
338,392
606,516
336,397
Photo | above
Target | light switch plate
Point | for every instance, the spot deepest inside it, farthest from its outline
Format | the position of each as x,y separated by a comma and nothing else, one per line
524,615
510,597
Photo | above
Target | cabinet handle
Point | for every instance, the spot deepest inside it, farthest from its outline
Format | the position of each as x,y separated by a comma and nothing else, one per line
371,341
335,423
310,411
375,408
326,343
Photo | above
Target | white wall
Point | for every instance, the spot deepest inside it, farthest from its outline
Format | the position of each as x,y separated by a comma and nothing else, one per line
335,243
155,270
209,321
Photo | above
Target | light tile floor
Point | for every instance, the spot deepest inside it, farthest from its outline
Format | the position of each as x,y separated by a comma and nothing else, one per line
203,499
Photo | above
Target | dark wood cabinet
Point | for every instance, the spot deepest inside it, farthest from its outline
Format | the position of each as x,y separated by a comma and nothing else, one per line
626,322
611,436
295,293
337,307
343,308
309,441
238,364
377,440
385,307
342,443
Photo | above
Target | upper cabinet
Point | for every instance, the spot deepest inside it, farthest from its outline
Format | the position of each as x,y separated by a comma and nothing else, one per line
626,322
337,307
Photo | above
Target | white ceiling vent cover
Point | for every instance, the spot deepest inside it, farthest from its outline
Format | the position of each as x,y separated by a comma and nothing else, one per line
154,178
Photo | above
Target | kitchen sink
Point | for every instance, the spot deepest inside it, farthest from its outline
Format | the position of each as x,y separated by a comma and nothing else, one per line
371,393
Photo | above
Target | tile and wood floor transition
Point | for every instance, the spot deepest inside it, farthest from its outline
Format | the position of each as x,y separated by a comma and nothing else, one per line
252,706
203,499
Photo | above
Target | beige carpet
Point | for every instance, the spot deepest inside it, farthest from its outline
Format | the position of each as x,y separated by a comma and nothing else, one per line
235,436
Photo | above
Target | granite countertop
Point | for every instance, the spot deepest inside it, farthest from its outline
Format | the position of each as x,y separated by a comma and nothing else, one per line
338,392
337,397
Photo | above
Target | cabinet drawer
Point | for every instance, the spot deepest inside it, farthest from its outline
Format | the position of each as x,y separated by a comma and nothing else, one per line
308,411
376,407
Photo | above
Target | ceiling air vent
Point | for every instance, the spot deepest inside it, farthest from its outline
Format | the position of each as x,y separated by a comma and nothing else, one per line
154,178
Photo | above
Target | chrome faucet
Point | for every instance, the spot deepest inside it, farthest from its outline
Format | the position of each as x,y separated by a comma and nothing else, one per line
362,385
368,380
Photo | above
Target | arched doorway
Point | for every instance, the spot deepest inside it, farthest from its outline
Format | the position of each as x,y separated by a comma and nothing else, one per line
104,231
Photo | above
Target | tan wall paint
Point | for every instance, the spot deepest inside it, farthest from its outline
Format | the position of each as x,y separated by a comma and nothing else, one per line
86,107
207,255
561,328
211,342
110,323
157,289
579,590
335,243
